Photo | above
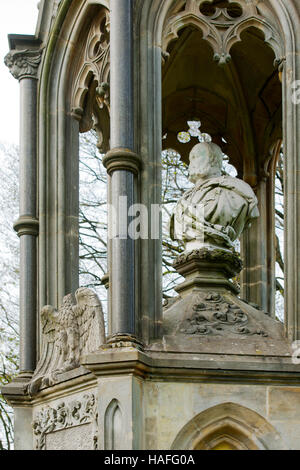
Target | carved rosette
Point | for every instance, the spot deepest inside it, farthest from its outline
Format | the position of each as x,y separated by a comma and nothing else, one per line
221,26
23,64
65,416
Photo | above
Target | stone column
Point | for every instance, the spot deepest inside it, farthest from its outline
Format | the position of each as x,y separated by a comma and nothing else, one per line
257,248
122,165
258,281
24,66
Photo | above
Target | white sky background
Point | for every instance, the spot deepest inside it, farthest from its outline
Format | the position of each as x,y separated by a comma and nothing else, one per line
16,17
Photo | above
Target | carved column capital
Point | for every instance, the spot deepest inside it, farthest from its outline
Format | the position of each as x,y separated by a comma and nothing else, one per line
122,159
27,225
23,64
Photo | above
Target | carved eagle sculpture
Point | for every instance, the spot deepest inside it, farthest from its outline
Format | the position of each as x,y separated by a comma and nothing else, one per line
75,329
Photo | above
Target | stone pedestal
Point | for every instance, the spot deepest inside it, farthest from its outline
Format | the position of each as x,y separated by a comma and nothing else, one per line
209,316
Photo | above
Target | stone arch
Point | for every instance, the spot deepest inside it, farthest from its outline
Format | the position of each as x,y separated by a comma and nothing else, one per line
230,425
67,93
220,41
113,426
220,32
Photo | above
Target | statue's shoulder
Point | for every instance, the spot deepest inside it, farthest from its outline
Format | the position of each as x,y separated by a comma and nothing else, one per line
234,184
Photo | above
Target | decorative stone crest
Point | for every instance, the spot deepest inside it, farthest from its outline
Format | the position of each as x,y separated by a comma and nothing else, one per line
211,314
23,64
65,416
77,328
221,23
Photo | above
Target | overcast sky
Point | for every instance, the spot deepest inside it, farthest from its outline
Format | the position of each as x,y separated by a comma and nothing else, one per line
16,17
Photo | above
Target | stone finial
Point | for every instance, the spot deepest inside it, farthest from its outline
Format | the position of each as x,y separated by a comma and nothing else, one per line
23,64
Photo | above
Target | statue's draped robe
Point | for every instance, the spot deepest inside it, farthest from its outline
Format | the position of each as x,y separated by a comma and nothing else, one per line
215,212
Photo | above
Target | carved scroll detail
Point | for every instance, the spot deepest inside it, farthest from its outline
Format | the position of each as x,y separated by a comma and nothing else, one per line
65,416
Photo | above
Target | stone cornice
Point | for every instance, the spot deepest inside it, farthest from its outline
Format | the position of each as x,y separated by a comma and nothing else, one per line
177,367
78,380
23,63
161,365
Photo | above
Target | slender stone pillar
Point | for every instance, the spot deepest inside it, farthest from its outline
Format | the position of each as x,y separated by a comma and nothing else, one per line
258,249
258,281
23,66
122,164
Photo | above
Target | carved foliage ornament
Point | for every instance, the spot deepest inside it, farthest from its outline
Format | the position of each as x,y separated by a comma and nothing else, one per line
76,328
222,23
23,64
211,314
65,416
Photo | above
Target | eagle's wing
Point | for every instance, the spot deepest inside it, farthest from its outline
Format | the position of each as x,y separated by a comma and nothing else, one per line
90,320
51,355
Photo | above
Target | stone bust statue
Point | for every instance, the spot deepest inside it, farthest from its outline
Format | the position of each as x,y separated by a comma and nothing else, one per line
217,209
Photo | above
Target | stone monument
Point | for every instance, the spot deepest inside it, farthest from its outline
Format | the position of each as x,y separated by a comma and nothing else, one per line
213,369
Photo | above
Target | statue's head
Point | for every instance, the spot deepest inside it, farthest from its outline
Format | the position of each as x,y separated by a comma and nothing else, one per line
206,160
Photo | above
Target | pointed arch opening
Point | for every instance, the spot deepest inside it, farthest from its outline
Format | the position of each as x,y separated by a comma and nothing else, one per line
113,426
228,426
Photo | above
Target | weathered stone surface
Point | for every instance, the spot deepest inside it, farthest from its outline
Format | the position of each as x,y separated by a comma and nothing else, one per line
172,422
79,438
284,403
